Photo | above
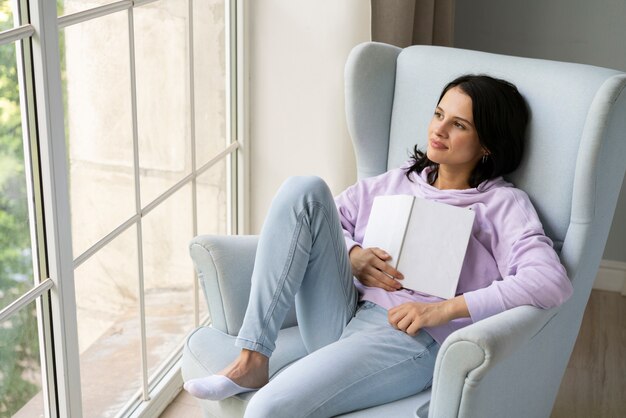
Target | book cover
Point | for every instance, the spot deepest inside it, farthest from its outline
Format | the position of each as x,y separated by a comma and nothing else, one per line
427,241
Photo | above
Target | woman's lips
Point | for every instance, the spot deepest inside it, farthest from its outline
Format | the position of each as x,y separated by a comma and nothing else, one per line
437,144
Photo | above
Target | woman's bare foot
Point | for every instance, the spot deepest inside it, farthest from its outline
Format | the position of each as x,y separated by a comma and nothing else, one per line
249,370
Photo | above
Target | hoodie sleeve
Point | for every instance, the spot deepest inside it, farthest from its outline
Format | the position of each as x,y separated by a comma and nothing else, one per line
348,215
532,273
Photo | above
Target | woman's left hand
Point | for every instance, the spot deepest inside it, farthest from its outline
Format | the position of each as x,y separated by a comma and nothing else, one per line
412,316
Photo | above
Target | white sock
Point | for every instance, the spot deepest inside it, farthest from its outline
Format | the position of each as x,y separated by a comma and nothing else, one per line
214,388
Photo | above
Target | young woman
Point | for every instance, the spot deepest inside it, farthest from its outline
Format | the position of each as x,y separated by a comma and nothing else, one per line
370,341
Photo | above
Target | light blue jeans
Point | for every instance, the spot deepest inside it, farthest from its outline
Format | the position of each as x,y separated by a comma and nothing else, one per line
356,358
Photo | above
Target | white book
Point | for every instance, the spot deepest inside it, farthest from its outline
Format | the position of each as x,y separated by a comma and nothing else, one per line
427,241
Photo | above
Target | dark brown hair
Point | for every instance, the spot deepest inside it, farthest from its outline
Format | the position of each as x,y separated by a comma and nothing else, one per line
500,116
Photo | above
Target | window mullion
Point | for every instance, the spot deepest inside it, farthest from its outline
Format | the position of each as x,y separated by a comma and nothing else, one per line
192,130
241,182
231,105
93,13
142,302
56,205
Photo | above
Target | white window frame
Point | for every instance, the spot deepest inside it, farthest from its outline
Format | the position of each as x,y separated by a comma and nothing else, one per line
49,194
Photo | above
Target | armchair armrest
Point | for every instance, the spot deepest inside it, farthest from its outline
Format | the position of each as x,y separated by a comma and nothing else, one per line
470,355
224,264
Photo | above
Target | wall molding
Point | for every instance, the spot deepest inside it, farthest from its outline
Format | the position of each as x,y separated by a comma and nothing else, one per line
611,276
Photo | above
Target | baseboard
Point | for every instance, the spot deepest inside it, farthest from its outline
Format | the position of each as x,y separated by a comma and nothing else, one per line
611,276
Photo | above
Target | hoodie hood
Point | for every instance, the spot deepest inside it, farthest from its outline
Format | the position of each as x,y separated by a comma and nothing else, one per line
456,197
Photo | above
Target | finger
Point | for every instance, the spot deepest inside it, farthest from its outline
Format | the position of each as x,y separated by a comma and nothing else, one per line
392,311
380,253
405,323
387,268
373,281
383,278
385,273
392,322
413,329
395,317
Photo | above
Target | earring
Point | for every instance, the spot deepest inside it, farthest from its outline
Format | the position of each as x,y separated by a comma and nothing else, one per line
485,156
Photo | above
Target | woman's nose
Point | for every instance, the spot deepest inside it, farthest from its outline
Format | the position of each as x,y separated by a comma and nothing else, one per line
439,128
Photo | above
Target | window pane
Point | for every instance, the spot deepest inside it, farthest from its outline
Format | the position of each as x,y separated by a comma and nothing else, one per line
6,14
211,188
66,7
20,371
96,76
107,303
209,79
163,104
211,208
16,268
168,276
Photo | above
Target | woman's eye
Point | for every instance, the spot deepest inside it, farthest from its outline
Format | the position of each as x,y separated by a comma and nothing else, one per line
459,125
438,115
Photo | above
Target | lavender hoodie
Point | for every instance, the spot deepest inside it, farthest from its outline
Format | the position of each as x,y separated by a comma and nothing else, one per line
509,260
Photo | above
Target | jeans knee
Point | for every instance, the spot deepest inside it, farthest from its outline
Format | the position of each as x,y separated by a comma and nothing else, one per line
306,183
307,187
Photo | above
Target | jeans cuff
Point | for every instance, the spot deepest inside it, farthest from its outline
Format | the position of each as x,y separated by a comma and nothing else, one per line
254,346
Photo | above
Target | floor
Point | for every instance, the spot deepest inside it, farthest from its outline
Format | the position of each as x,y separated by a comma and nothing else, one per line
595,378
184,406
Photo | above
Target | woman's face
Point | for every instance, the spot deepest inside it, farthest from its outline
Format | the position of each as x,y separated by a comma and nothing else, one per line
452,137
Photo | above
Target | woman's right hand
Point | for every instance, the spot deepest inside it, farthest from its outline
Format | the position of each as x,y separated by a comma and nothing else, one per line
369,266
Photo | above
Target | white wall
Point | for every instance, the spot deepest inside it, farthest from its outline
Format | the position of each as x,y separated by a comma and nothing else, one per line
297,53
589,32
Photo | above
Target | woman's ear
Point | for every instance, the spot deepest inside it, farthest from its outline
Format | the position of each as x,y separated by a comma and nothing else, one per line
485,156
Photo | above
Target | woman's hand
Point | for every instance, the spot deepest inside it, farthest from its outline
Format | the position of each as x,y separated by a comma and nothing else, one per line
370,267
412,316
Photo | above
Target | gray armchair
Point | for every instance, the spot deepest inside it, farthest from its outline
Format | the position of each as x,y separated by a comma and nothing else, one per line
511,364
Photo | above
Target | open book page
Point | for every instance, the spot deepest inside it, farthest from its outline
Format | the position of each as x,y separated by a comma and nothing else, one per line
387,224
434,247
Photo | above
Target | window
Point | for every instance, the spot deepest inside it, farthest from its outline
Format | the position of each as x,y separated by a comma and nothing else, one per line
119,141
